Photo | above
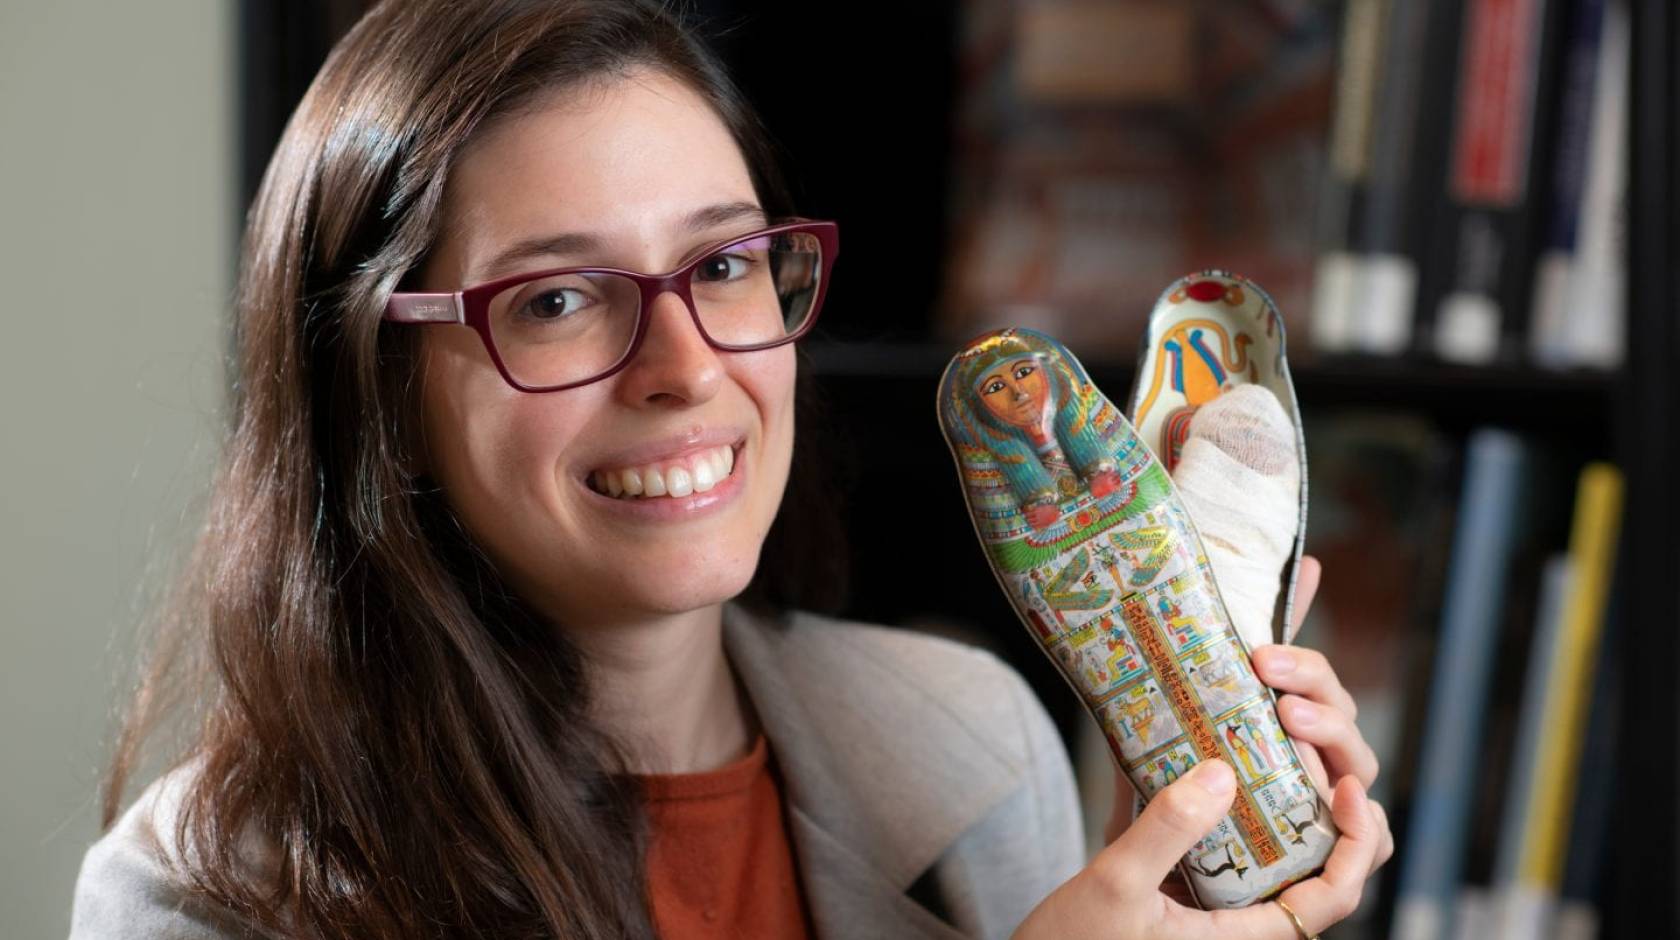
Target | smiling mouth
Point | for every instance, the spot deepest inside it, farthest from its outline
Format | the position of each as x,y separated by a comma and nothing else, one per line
695,473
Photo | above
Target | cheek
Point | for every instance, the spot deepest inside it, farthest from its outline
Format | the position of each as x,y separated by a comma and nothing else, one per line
770,383
491,447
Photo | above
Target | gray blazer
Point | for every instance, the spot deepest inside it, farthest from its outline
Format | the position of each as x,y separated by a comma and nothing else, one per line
929,795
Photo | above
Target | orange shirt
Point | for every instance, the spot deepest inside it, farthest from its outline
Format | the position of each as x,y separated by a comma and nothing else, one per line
720,863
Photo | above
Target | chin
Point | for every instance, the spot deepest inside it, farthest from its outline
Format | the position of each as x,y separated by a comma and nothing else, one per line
698,584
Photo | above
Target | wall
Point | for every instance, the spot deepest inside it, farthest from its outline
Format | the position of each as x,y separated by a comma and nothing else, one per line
117,238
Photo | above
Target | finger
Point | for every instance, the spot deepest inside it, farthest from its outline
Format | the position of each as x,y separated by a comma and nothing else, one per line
1315,766
1335,735
1385,848
1335,893
1305,672
1319,902
1174,821
1264,921
1306,587
1121,816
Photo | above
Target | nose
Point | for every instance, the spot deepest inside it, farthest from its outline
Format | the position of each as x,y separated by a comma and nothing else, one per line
675,365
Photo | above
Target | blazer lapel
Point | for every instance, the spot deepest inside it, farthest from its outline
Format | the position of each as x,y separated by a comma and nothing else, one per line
880,775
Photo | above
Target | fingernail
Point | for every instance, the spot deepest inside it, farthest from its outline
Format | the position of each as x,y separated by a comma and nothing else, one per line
1280,663
1215,777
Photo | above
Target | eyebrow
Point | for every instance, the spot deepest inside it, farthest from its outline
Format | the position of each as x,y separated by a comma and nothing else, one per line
577,243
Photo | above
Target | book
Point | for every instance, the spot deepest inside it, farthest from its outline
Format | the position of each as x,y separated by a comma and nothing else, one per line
1483,245
1408,142
1498,467
1546,525
1542,664
1549,328
1522,913
1562,666
1336,303
1592,327
1580,896
1592,548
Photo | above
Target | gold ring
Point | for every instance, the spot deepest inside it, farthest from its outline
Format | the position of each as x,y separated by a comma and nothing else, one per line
1299,927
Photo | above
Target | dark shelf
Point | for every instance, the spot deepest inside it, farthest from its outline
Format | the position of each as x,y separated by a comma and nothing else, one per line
1455,396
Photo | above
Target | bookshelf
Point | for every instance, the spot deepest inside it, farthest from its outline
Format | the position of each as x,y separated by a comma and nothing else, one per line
870,140
1456,396
1646,419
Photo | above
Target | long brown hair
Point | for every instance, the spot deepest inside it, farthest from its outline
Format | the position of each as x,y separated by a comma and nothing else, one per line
375,703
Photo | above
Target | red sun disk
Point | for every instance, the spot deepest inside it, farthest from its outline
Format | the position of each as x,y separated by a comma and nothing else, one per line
1206,291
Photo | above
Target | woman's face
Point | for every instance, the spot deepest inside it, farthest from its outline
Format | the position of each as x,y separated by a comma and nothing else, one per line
646,172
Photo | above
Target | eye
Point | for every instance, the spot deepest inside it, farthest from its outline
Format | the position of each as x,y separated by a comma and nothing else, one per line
554,304
1022,371
723,268
994,386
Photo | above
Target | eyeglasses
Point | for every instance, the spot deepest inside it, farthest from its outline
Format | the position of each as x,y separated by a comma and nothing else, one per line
552,330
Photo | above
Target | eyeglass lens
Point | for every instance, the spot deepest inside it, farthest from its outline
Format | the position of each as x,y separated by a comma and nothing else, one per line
572,327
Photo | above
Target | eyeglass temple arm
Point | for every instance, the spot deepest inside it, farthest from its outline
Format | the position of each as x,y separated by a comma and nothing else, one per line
426,308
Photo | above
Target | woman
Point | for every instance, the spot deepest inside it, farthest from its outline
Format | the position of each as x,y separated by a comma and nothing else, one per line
469,667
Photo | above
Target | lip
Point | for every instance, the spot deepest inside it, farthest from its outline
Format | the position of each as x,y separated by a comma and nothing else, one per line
669,447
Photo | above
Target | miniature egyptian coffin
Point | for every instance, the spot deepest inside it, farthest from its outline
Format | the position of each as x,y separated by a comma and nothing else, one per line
1088,540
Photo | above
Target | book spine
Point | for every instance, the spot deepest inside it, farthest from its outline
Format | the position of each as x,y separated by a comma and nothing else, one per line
1590,819
1517,815
1336,300
1495,470
1592,548
1501,122
1386,252
1549,330
1597,306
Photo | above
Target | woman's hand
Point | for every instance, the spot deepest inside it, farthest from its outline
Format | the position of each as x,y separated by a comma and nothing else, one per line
1316,711
1118,896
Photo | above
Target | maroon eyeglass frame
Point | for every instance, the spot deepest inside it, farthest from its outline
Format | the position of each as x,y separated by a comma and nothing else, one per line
471,306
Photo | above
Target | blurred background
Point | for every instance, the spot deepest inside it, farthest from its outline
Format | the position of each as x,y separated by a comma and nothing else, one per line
1465,211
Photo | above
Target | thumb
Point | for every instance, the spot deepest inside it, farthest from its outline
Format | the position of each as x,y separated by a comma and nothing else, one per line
1170,824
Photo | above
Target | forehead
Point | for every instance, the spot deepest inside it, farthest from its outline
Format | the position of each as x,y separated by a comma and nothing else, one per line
625,156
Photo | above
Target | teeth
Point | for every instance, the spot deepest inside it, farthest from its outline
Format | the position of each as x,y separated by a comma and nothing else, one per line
696,473
653,482
679,482
705,474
